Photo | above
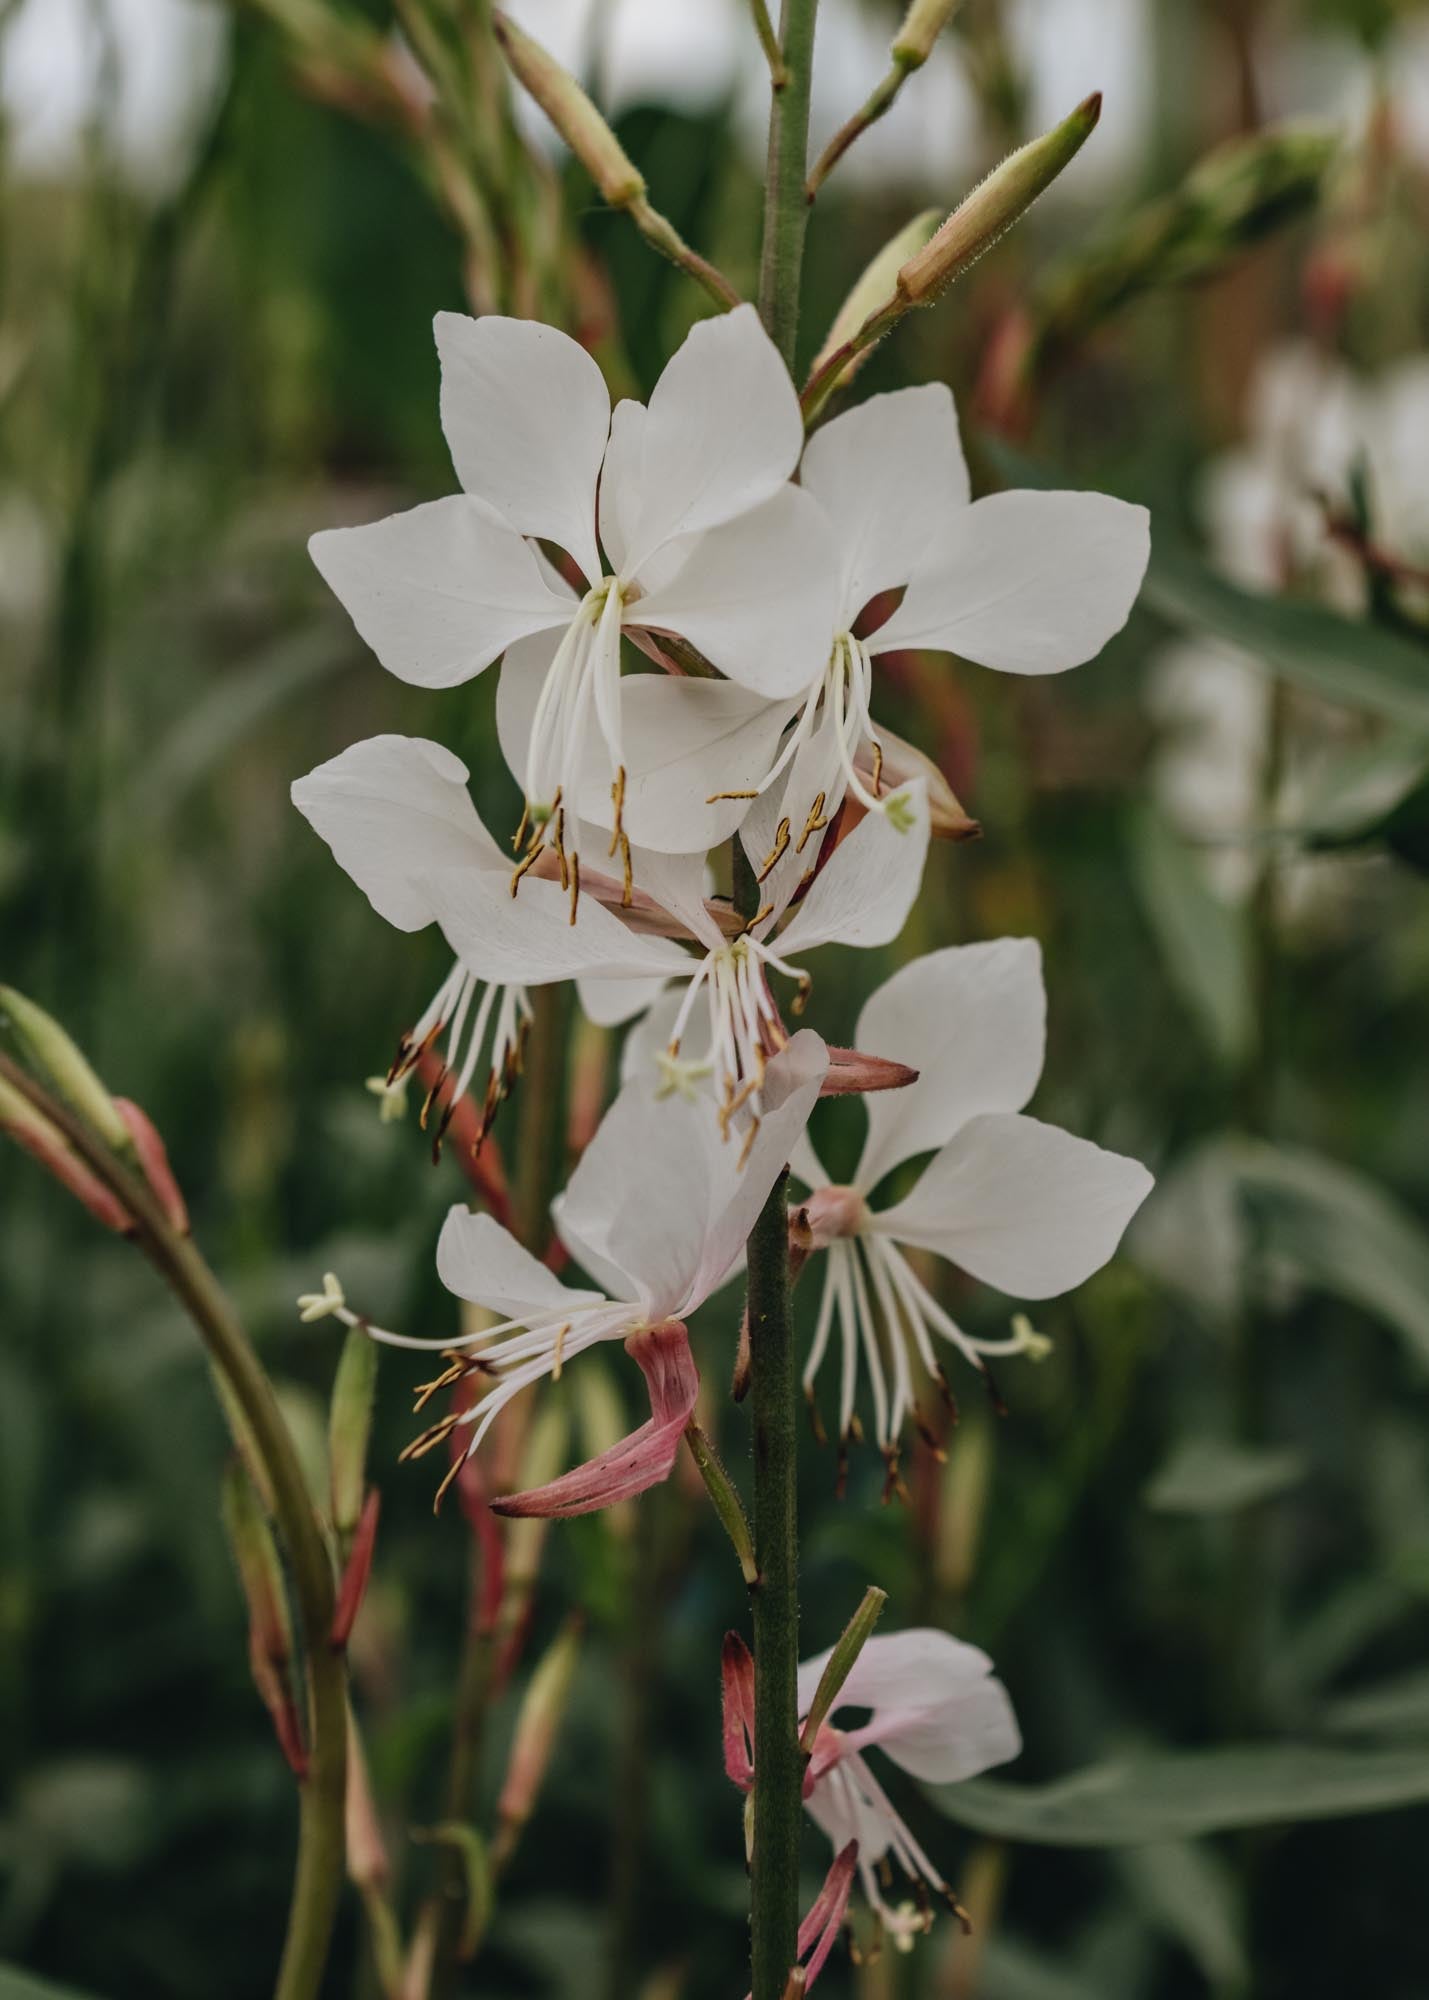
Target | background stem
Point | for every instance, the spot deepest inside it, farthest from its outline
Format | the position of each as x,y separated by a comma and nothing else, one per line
318,1875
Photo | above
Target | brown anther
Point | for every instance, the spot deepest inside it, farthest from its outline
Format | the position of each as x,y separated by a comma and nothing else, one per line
765,910
945,1390
448,1480
617,800
715,797
892,1478
558,1353
877,766
776,853
575,885
801,996
558,844
425,1440
521,867
431,1097
749,1138
999,1408
929,1436
627,885
815,823
520,833
957,1909
816,1422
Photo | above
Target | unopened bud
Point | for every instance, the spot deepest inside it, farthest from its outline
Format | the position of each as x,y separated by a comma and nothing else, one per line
542,1708
996,203
572,114
154,1160
349,1427
352,1585
873,290
922,25
62,1064
850,1643
44,1142
367,1864
270,1638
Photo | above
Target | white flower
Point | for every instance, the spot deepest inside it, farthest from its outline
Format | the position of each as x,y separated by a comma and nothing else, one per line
1017,1204
937,1712
657,1212
392,809
702,535
1027,582
860,897
930,1703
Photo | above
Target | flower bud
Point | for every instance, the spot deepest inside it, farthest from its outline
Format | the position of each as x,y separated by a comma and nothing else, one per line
154,1161
270,1638
46,1143
873,290
542,1708
850,1643
61,1064
349,1426
367,1863
995,204
572,114
922,25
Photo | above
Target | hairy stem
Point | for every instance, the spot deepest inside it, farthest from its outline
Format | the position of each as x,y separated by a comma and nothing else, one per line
778,1763
318,1875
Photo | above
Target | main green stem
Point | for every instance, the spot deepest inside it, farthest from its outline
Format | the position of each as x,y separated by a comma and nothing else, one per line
318,1876
773,1386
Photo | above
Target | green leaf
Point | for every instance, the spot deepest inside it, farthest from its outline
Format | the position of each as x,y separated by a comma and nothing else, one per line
1341,1232
1204,941
1344,659
1397,1707
1215,1476
16,1984
1180,1795
1190,1894
1403,829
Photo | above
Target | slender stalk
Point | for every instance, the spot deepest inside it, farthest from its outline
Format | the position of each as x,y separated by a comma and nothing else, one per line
778,1764
318,1876
880,101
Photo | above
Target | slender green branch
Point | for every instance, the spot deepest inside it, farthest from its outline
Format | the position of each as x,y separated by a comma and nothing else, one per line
318,1877
786,212
769,42
880,100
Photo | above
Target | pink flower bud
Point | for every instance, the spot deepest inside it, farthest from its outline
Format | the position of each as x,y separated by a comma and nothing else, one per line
154,1160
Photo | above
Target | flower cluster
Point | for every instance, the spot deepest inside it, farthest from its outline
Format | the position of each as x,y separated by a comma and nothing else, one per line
692,606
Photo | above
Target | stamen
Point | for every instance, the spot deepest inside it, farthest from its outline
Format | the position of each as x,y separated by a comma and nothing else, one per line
749,1138
426,1440
815,823
559,1350
776,853
575,885
449,1479
520,833
715,797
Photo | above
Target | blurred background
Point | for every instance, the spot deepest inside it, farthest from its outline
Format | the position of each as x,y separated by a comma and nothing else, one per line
1201,1531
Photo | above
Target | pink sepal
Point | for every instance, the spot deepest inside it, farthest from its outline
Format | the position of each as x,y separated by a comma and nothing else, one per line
826,1914
641,1460
154,1159
850,1070
736,1666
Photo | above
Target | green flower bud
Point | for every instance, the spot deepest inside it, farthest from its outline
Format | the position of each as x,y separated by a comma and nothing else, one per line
572,114
61,1063
922,25
349,1426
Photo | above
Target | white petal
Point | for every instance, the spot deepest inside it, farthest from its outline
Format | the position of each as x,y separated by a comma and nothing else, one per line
722,433
640,1198
759,597
1021,1205
864,894
891,477
638,1058
791,1089
609,1002
482,1262
392,809
526,413
621,479
937,1710
440,591
972,1020
1031,583
528,940
683,741
686,740
815,775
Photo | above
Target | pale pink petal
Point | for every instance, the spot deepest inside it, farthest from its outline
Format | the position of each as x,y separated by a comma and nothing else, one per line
483,1263
737,1710
936,1708
528,939
646,1456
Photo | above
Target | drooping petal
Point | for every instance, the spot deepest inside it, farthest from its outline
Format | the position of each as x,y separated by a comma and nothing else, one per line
758,596
526,413
393,809
891,477
1030,583
864,894
936,1708
722,433
440,591
736,1666
646,1456
640,1199
1020,1205
528,939
822,1925
972,1020
791,1089
483,1263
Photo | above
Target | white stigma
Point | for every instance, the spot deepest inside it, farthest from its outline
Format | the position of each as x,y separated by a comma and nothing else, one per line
745,1028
